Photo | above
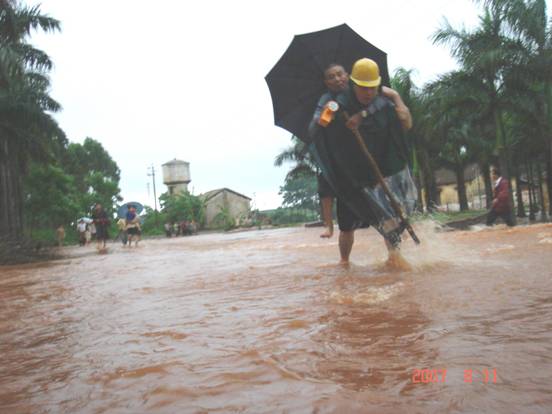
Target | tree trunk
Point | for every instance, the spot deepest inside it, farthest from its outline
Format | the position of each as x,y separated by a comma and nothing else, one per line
544,217
461,188
420,203
549,181
11,199
548,97
417,177
503,155
531,195
519,195
428,179
485,168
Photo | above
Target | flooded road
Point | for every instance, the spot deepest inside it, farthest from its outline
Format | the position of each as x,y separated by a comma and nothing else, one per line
265,322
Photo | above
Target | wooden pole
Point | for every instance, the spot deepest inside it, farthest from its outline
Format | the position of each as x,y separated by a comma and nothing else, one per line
379,177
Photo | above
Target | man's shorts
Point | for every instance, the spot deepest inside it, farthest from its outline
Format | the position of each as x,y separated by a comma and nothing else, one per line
346,219
324,188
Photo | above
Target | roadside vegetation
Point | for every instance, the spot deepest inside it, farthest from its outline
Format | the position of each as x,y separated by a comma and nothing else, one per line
496,109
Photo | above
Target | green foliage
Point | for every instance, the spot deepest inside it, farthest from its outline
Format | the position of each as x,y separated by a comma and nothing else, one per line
174,209
51,198
180,207
95,173
301,160
224,219
27,129
445,217
81,160
153,222
47,236
283,216
300,192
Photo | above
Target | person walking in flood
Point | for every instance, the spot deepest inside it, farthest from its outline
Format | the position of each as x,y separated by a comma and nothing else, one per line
133,228
501,200
336,80
101,222
82,229
121,226
378,117
60,235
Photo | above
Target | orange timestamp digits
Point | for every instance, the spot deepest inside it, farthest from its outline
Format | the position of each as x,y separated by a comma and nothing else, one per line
429,375
426,376
487,376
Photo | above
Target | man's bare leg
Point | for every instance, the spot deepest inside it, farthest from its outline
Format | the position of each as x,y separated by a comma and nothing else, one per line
346,240
327,204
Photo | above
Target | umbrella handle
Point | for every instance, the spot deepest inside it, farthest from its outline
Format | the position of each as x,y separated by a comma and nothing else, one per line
379,176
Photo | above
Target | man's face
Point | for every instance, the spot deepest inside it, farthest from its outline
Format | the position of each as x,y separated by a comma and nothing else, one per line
365,95
336,78
494,175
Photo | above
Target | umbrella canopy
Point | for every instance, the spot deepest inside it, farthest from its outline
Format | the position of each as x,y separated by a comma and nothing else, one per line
123,210
296,82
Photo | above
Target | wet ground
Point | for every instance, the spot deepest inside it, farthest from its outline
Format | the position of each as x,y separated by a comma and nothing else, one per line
265,322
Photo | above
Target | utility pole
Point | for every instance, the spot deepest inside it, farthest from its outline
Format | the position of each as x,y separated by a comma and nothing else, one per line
152,175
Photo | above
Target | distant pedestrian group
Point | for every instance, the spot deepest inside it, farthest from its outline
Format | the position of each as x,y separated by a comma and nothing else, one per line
182,228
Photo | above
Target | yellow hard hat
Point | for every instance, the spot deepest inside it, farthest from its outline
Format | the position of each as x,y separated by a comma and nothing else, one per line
366,73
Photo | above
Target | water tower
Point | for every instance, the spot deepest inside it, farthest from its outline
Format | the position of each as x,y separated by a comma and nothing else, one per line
176,176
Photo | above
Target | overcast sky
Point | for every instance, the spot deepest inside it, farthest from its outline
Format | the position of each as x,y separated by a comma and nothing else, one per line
153,81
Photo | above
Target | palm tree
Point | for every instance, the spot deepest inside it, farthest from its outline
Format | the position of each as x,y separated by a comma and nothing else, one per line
422,165
530,78
487,53
299,157
26,128
450,126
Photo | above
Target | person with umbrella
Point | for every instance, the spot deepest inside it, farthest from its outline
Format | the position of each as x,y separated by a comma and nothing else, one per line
133,228
380,123
296,83
336,81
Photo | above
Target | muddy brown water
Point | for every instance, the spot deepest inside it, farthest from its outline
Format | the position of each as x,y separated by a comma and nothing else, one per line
266,322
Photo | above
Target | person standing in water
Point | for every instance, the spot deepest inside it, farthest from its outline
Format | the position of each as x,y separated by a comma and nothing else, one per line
60,235
133,226
101,222
501,200
381,120
336,80
81,229
121,226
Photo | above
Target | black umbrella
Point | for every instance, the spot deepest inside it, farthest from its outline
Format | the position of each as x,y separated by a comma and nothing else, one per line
296,82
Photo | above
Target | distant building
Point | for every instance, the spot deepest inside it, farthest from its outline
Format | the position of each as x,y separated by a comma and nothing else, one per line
176,176
475,188
448,191
223,199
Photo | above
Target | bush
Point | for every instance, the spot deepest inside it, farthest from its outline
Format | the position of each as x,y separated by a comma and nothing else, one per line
286,215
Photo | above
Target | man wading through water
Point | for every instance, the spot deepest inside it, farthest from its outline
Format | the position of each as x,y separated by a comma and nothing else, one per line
365,85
